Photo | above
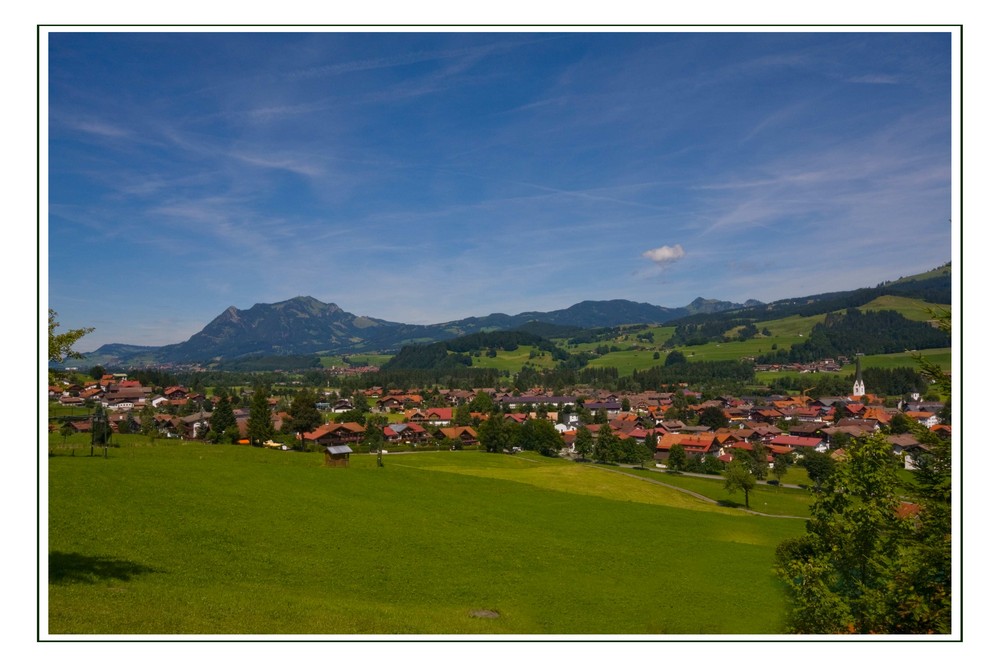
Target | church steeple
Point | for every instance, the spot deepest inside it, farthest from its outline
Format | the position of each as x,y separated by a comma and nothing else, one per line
859,384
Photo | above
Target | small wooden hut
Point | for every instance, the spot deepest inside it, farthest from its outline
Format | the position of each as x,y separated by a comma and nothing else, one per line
338,456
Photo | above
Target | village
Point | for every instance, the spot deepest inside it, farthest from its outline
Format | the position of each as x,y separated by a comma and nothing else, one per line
709,428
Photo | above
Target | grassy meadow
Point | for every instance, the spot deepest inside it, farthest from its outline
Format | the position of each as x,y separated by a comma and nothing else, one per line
189,538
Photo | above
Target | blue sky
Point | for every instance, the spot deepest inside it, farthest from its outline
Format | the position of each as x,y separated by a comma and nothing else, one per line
424,177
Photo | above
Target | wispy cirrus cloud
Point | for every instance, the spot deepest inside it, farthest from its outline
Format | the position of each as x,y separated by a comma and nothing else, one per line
100,128
874,78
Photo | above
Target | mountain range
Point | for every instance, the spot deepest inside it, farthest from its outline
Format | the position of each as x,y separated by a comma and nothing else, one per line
304,326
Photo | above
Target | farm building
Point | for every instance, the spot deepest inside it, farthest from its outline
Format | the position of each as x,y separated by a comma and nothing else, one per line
338,456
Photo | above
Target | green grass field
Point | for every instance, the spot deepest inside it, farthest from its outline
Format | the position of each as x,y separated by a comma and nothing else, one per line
192,538
514,360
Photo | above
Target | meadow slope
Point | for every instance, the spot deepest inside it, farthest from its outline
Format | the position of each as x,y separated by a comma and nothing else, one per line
199,539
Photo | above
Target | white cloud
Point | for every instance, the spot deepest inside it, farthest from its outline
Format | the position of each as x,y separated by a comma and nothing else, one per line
665,254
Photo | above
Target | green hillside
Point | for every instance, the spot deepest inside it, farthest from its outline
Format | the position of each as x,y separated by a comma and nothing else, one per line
193,538
636,354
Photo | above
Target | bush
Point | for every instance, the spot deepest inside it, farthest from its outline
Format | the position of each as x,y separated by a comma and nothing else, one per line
712,466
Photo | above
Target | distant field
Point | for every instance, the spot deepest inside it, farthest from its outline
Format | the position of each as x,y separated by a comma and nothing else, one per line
356,359
627,361
514,360
192,538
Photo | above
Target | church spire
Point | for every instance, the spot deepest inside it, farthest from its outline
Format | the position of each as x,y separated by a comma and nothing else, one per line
859,384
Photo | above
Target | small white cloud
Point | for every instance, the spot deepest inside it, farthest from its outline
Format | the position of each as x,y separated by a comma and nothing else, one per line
665,254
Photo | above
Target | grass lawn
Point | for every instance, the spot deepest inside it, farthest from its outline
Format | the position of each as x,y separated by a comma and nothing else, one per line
193,538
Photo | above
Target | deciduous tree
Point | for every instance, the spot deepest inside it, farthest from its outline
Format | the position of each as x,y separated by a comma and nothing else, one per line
819,466
844,575
780,467
713,417
541,436
61,344
677,457
739,478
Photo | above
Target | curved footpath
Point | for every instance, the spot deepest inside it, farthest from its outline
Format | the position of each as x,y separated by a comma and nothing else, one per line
692,493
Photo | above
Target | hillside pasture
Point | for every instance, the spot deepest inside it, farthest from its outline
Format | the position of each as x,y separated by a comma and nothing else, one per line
199,539
913,309
514,360
627,361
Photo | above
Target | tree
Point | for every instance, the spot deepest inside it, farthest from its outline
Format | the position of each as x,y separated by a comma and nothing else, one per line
463,415
713,417
677,458
608,446
780,467
66,430
147,423
497,434
650,442
758,461
61,345
754,460
901,423
259,426
634,452
675,357
819,466
373,438
864,565
739,478
711,465
360,402
305,417
584,444
222,417
100,430
540,435
353,415
481,402
125,425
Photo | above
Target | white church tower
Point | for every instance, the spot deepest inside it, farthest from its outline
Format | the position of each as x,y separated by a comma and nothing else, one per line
859,384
